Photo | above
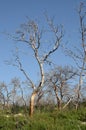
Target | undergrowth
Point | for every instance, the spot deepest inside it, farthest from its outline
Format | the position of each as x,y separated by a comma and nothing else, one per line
55,120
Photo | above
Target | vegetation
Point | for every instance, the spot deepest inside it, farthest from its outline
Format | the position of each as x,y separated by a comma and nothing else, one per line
44,120
58,96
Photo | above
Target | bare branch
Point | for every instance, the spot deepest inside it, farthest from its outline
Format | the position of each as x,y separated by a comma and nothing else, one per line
58,32
21,69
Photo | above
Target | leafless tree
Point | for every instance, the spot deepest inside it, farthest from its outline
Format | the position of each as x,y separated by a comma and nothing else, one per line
17,92
58,80
82,16
4,94
31,35
79,52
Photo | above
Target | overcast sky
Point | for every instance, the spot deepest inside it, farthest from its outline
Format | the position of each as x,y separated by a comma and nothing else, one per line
14,12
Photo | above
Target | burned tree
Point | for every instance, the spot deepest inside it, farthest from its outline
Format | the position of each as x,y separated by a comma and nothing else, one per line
58,81
4,94
32,36
78,53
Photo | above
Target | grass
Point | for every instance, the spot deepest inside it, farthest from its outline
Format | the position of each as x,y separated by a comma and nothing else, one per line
55,120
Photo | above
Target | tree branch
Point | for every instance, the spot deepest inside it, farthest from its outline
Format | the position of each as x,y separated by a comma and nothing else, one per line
23,71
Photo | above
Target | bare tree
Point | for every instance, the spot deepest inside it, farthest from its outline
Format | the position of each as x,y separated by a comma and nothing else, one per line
31,35
79,52
82,16
17,90
14,87
4,94
58,81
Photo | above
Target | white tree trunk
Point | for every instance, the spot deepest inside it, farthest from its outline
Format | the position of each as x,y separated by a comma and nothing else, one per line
32,102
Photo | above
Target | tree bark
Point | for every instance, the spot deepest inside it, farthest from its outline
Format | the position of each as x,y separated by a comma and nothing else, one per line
67,103
57,97
59,104
32,102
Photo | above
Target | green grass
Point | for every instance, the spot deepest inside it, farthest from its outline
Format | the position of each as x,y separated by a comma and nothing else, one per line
55,120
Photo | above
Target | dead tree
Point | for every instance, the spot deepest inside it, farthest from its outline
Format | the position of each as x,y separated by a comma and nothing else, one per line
17,87
4,94
79,52
58,82
31,35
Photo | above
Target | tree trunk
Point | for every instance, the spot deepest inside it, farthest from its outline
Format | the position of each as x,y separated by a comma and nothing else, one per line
76,106
32,102
57,97
59,104
67,103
